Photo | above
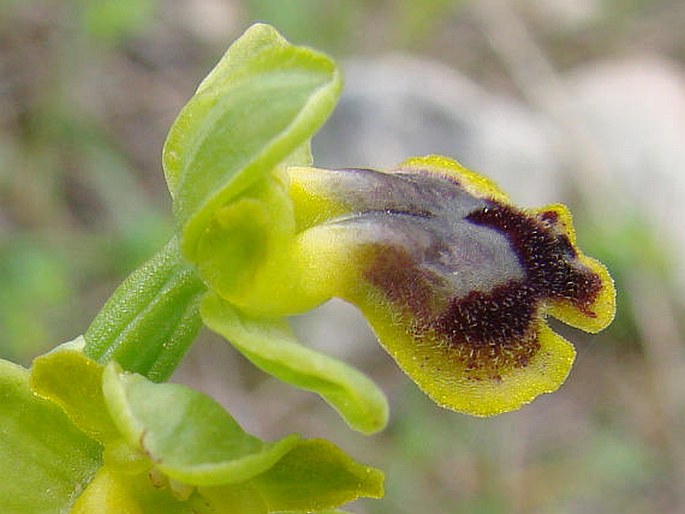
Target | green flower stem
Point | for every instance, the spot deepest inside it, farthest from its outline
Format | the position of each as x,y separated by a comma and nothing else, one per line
151,319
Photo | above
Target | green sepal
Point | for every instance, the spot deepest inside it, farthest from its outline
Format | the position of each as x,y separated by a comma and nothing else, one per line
45,460
68,378
186,434
151,319
271,346
317,475
258,108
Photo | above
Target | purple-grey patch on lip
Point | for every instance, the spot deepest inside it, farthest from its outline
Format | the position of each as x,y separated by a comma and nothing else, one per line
402,191
414,232
451,259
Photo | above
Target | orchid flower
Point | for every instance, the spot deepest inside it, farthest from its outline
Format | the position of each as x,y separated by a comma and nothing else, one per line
455,281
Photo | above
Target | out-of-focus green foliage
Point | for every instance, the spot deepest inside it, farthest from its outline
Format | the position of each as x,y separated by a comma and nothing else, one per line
114,20
36,282
326,25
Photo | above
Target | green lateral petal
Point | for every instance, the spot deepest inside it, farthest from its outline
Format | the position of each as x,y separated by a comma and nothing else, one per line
45,461
254,231
186,434
71,380
271,346
317,475
258,108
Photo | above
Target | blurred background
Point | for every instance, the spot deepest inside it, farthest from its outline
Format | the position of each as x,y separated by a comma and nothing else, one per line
579,101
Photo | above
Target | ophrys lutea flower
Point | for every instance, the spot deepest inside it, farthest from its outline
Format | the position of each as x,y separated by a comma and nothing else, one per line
455,281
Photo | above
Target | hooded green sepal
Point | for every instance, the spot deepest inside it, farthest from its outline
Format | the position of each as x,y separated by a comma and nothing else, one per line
271,346
45,461
257,109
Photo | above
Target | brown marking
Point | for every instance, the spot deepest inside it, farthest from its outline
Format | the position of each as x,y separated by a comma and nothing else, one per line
492,331
551,217
549,259
395,273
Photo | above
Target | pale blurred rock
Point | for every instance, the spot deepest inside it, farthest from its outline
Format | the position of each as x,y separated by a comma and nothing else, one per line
566,15
398,107
338,329
635,112
209,20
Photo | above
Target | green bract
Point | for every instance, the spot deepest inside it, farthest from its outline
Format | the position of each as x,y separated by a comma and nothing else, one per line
109,441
